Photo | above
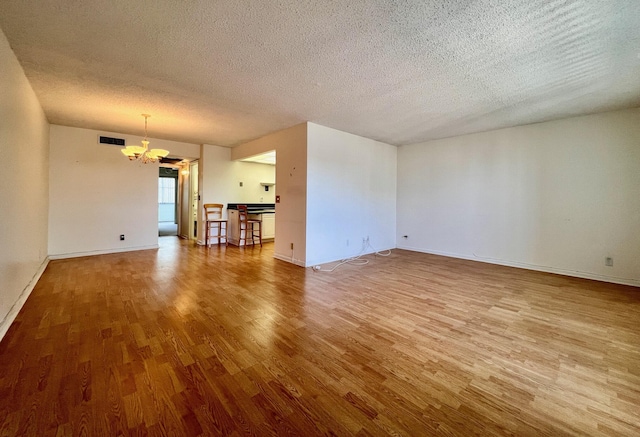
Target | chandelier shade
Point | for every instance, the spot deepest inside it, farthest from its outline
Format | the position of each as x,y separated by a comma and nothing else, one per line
143,153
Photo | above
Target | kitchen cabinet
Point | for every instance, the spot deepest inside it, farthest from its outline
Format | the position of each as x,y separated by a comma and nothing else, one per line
268,226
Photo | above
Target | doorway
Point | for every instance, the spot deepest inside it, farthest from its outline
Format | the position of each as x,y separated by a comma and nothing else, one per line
194,198
167,202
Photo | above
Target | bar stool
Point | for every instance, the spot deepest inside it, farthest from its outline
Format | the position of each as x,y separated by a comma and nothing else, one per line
249,227
213,221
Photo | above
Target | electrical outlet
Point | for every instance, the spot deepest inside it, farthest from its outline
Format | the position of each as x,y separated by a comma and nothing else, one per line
608,261
291,246
121,237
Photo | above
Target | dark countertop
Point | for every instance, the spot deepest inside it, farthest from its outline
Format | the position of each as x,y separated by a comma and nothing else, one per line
255,208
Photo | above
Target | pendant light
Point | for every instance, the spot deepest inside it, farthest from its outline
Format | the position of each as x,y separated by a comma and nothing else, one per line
142,153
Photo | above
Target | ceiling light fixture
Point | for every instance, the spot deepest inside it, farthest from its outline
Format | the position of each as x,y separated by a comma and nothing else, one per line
142,153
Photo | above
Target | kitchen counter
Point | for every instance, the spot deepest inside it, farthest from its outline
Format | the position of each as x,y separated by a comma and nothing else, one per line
254,208
261,211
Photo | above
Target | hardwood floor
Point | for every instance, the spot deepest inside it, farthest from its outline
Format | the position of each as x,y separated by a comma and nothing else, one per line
225,341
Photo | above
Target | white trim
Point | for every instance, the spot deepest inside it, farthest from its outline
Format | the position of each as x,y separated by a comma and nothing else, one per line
19,303
546,269
100,252
289,260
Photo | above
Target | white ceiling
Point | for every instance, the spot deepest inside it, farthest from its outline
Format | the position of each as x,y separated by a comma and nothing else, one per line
224,72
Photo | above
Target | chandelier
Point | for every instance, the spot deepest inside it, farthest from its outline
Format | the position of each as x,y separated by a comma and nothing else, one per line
142,153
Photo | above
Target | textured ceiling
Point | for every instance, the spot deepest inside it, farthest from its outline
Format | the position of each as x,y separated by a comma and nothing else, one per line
224,72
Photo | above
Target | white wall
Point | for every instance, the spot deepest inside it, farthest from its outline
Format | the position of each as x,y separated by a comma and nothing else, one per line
351,192
558,196
333,187
291,185
24,143
96,194
223,177
251,174
216,180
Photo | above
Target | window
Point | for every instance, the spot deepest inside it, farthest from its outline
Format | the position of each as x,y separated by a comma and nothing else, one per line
166,190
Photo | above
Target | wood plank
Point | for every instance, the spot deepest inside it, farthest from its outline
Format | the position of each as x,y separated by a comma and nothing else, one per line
191,341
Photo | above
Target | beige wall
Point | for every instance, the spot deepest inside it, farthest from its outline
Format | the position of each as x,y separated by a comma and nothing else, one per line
24,143
96,194
558,196
291,185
